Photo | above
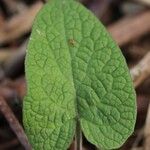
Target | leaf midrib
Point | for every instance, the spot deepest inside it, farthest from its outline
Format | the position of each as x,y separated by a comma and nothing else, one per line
73,81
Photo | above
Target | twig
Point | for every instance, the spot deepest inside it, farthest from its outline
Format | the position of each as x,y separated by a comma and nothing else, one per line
99,7
5,9
19,25
9,144
137,148
130,28
15,64
13,91
1,20
14,124
18,85
138,139
141,71
147,131
14,6
147,2
5,53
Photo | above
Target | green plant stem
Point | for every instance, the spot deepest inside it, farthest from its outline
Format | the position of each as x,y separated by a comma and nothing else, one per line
78,137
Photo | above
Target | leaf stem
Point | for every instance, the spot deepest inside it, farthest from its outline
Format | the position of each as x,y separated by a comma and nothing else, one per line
78,137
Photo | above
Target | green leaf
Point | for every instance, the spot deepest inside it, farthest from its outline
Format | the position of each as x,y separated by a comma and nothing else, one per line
74,70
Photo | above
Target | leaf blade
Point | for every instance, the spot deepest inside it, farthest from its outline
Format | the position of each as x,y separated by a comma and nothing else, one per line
82,56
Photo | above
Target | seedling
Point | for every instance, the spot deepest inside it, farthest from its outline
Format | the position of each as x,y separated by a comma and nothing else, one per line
77,80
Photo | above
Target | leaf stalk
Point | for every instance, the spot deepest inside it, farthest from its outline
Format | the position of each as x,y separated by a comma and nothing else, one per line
78,137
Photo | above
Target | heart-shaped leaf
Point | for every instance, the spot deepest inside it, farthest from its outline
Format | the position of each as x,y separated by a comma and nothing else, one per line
75,71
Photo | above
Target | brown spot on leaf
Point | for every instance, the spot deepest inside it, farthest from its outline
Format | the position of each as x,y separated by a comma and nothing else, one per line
72,42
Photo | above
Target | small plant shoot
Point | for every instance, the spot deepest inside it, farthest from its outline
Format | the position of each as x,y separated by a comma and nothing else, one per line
77,78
